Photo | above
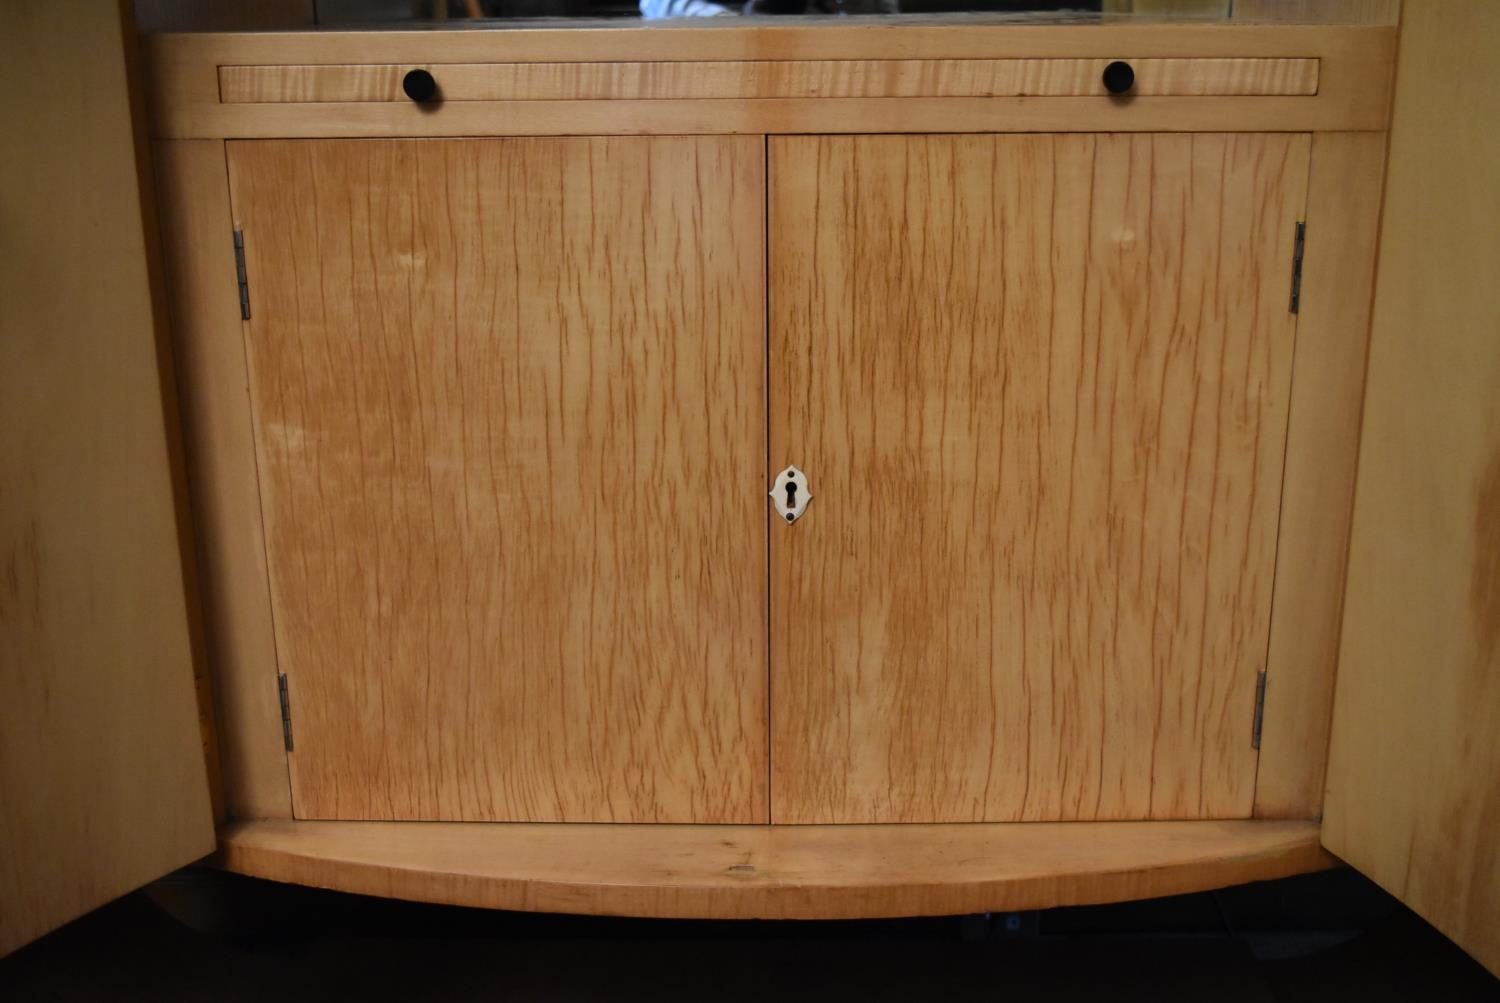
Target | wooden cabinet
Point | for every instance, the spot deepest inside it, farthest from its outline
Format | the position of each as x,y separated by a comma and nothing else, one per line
482,400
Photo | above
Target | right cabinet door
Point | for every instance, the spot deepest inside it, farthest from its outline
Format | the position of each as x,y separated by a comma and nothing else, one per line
1039,387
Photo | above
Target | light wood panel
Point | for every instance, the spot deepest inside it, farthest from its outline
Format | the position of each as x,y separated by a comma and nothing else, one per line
772,872
1414,772
1352,94
509,407
770,79
1343,214
214,383
1039,386
102,778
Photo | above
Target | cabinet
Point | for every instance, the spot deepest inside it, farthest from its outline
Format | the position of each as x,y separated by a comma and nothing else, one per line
482,400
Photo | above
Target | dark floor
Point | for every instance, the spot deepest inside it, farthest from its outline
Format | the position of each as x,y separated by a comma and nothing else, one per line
204,935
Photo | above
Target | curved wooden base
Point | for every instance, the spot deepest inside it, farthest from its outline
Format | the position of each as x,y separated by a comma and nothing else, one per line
771,872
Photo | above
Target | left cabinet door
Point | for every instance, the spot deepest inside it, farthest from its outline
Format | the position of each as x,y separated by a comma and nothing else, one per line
103,785
508,401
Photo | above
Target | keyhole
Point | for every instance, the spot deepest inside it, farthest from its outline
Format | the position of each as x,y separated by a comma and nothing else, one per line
791,500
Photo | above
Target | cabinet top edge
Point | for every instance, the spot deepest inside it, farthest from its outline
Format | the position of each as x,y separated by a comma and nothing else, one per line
1325,13
764,39
817,32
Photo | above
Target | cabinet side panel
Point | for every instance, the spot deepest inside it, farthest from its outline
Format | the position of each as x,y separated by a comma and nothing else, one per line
208,339
1343,213
1039,385
509,409
1414,763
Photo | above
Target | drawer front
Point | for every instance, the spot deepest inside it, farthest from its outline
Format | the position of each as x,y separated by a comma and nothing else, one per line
813,78
763,79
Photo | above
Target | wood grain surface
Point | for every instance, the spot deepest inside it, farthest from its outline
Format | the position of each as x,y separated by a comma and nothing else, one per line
772,872
1039,386
1414,765
808,78
509,407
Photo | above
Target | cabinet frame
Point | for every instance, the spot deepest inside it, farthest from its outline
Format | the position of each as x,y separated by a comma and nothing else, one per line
1347,118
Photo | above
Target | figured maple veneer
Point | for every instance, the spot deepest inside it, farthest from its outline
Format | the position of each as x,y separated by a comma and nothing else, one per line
1039,385
769,79
509,412
772,872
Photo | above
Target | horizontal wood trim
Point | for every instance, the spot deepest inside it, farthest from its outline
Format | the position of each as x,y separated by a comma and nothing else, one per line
1352,86
759,41
823,78
775,116
282,15
771,872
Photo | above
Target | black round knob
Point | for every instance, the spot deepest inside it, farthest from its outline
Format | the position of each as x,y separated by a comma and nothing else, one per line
419,85
1119,77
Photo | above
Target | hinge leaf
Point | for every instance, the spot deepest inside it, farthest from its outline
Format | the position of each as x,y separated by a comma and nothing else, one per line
286,711
1260,710
1297,251
241,275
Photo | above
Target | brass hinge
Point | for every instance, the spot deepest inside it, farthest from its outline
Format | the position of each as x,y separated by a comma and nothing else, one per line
1297,250
1260,711
286,711
239,271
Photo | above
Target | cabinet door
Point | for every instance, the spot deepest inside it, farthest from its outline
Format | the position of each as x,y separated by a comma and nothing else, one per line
1039,387
1414,764
509,405
103,785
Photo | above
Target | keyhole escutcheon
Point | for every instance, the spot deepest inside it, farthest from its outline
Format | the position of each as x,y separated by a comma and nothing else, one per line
790,494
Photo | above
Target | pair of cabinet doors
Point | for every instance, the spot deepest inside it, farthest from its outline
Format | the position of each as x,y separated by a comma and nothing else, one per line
518,405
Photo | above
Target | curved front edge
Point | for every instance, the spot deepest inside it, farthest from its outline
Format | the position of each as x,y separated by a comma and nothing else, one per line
771,872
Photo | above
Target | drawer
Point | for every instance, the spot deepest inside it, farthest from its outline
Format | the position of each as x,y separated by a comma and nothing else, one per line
810,78
771,80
